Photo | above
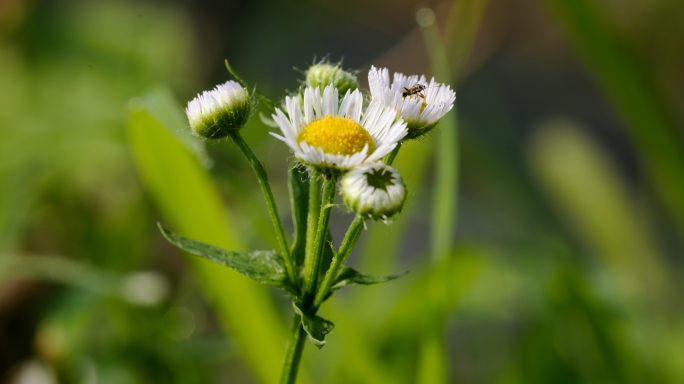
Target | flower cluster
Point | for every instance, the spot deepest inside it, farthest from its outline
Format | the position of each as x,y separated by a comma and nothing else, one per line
344,139
337,136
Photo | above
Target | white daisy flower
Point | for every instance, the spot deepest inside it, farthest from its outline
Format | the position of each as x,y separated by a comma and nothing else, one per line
373,190
214,114
420,104
332,139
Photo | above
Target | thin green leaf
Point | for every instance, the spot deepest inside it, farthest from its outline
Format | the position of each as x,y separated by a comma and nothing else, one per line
445,192
432,360
350,276
299,201
264,267
315,326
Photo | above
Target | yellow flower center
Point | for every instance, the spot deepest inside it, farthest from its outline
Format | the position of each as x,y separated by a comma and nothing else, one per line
336,135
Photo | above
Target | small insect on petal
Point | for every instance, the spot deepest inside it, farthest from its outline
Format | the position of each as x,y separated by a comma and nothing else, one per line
416,89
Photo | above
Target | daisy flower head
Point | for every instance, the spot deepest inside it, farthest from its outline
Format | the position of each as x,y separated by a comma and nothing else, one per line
215,114
419,102
374,190
333,137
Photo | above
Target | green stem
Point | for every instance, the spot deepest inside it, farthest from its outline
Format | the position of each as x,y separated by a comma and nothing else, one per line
293,353
314,262
312,220
339,259
260,171
389,159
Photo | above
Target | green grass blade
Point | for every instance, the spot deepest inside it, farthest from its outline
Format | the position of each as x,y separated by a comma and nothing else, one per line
593,198
445,197
189,202
632,91
432,366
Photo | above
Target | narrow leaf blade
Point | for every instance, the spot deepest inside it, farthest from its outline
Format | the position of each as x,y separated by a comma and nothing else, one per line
350,276
264,267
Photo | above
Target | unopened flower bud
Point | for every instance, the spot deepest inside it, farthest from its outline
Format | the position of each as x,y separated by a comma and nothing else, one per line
324,73
374,190
216,113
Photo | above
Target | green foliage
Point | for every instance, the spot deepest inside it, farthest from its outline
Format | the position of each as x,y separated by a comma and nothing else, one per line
59,269
188,199
632,89
350,276
564,263
264,267
445,200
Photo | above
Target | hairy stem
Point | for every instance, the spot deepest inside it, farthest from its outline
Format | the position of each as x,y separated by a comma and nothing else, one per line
312,223
339,259
260,171
293,352
314,264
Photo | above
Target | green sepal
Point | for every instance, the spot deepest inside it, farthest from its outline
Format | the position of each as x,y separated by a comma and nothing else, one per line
298,183
315,326
350,276
264,267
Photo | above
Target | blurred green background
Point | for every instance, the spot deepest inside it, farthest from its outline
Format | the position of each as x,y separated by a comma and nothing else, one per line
544,230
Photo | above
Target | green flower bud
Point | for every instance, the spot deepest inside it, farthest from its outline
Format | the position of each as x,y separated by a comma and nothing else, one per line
214,114
321,74
374,190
